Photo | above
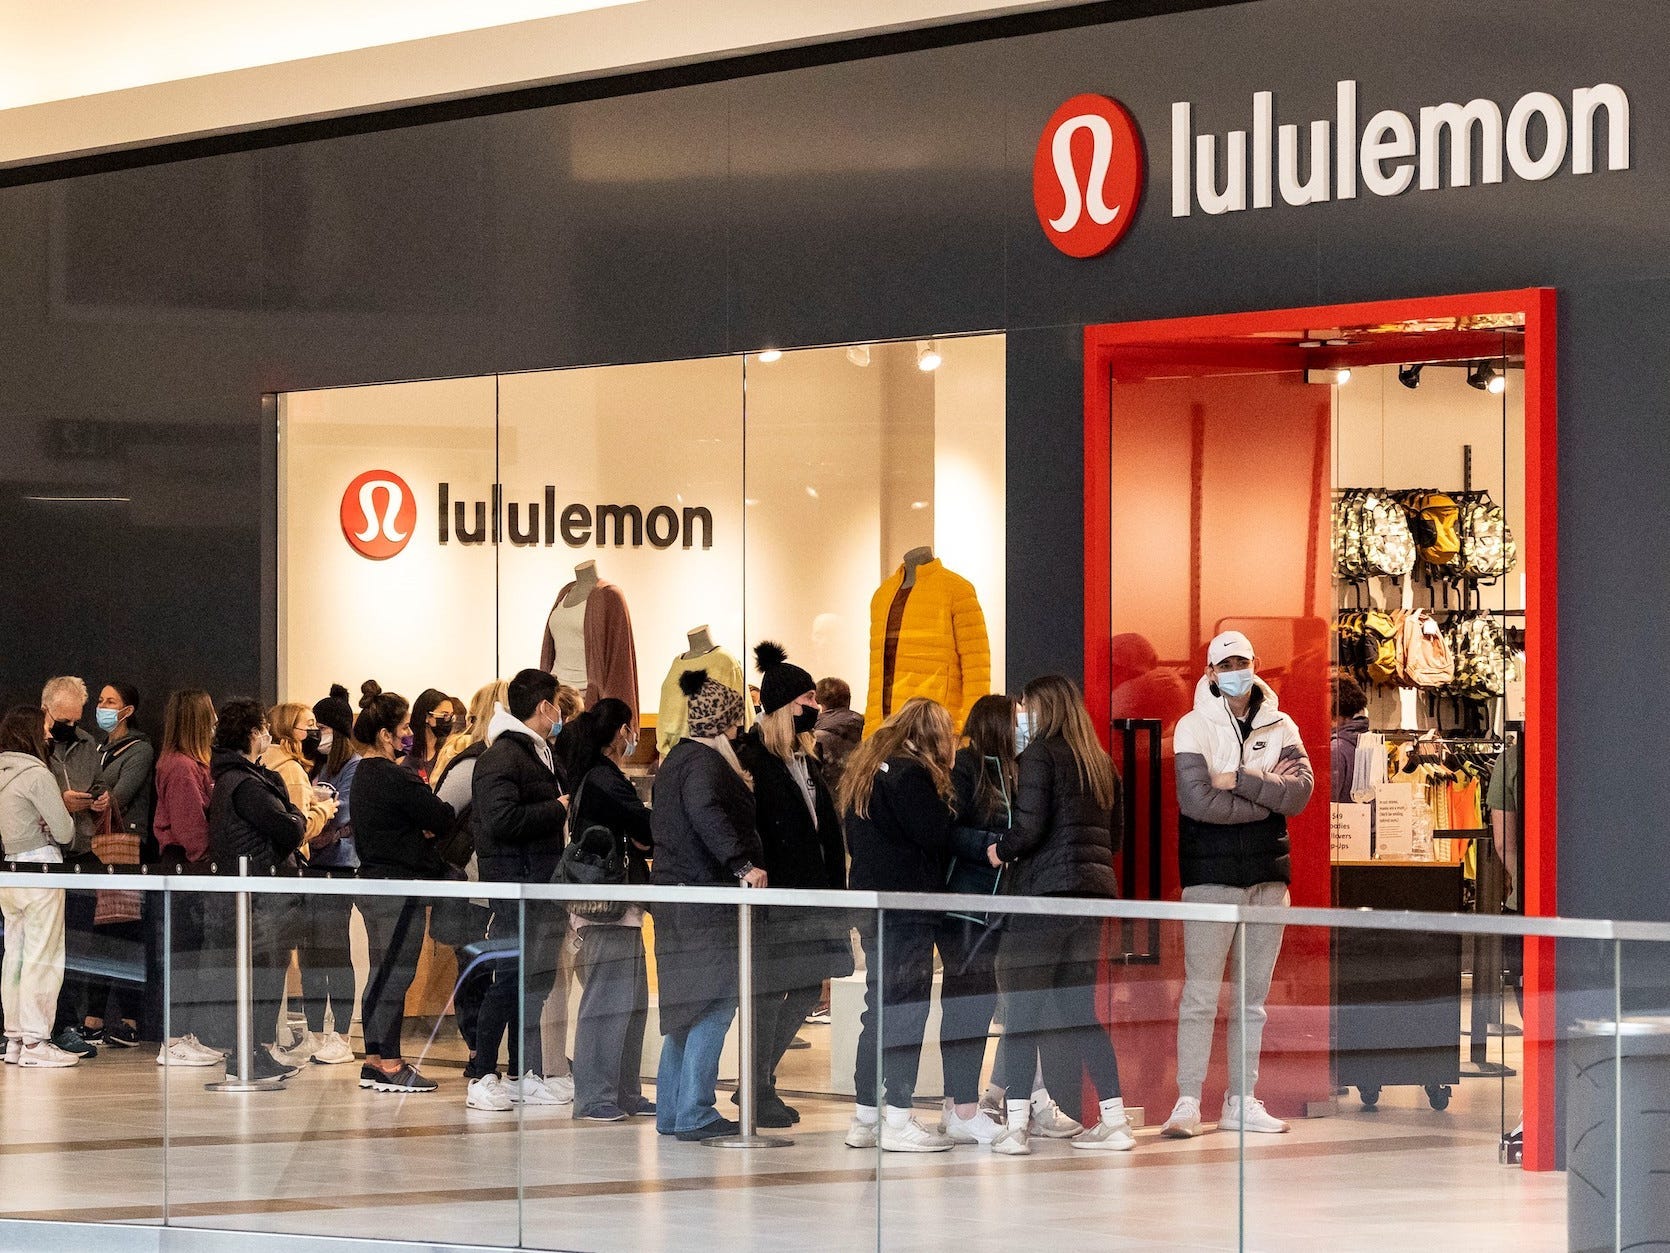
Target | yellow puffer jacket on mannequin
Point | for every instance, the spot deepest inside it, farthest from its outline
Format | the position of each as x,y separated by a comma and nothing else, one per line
938,650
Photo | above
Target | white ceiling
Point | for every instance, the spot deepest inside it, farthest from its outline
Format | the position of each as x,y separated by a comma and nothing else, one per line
88,76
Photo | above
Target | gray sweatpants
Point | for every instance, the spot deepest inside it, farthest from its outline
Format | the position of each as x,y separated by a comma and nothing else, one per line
1207,946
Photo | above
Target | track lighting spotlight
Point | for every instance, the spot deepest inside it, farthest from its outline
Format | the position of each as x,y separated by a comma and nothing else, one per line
1410,375
927,356
1487,378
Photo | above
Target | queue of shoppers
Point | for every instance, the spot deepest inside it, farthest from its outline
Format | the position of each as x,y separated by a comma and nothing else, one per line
524,785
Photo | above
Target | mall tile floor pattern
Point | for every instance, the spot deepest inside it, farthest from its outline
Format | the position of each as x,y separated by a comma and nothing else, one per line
325,1158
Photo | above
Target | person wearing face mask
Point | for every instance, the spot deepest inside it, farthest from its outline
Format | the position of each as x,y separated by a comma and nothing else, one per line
800,835
520,810
431,728
126,762
1242,772
73,757
614,980
397,821
250,816
703,822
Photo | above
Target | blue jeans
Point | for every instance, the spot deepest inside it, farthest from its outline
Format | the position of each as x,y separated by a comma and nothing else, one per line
689,1071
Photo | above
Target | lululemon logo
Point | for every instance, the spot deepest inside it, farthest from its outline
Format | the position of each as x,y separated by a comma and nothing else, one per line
1087,175
379,514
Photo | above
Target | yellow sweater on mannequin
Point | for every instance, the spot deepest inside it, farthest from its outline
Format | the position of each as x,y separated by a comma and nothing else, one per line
936,647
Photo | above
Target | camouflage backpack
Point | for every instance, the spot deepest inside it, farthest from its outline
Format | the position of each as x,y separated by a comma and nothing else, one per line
1484,663
1487,549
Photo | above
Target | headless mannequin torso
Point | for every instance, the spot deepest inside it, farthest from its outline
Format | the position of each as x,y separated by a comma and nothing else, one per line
585,581
701,643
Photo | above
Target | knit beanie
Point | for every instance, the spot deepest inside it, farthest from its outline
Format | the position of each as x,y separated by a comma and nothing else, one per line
714,708
335,712
780,682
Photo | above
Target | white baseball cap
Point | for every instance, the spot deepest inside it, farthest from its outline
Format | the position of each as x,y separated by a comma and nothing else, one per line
1229,644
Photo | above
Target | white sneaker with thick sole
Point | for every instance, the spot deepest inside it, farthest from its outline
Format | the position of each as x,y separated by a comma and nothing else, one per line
532,1089
981,1129
862,1135
14,1050
299,1053
333,1050
1048,1121
179,1053
488,1092
1109,1137
202,1050
1184,1123
1249,1115
46,1053
563,1086
912,1137
1013,1142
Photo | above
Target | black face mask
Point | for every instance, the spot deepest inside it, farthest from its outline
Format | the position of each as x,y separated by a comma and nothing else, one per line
443,728
805,721
63,730
310,744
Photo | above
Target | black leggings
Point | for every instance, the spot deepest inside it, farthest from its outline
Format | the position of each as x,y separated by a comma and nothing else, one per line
394,930
1047,970
968,1002
900,986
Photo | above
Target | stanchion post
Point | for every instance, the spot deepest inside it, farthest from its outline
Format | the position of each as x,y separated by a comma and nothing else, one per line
244,1052
746,1137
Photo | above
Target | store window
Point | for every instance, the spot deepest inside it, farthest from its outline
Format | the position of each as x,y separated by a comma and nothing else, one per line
440,533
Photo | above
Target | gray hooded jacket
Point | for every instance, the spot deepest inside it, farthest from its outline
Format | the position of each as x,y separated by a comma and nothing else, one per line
32,813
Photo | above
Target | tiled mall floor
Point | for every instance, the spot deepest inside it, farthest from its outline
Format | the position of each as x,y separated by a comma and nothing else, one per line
325,1158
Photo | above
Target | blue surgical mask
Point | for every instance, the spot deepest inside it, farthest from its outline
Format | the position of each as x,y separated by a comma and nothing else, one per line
1023,730
107,719
1235,683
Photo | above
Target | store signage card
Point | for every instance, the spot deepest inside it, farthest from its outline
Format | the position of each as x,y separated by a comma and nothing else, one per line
1394,820
1350,825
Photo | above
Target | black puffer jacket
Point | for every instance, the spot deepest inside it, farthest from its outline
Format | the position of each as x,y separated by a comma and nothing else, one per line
904,844
1063,842
518,812
702,819
799,852
251,816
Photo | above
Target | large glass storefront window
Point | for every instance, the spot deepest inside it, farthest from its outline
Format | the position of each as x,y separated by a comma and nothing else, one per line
430,529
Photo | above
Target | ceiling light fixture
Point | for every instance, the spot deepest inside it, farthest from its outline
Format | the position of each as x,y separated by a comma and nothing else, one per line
859,354
769,355
927,356
1410,375
1487,378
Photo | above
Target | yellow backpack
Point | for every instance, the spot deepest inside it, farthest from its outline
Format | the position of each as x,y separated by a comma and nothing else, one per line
1434,519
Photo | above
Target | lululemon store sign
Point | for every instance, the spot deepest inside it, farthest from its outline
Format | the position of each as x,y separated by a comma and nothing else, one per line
1087,173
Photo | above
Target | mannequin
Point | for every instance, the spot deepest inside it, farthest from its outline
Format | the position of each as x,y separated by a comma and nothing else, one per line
914,560
585,582
703,654
701,642
927,638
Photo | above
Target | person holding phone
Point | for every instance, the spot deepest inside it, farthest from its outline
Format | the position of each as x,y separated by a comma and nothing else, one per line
73,757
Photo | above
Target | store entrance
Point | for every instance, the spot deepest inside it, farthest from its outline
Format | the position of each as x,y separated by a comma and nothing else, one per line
1333,482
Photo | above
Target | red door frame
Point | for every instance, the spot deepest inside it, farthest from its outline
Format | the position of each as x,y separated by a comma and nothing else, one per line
1102,344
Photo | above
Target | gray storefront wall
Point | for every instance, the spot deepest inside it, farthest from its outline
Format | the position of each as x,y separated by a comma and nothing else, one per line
147,310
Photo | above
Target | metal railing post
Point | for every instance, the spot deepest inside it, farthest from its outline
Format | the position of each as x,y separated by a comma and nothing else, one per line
244,1051
746,1137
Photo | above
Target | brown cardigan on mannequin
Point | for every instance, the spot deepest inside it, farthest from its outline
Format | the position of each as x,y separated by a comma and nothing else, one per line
611,656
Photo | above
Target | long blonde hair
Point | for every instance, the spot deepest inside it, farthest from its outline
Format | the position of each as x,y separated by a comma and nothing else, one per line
481,708
288,722
778,735
1057,709
921,731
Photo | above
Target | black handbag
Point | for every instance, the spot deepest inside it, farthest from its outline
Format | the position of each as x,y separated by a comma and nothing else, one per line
595,858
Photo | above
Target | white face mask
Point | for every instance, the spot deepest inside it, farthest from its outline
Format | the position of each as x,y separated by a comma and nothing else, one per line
1023,729
326,739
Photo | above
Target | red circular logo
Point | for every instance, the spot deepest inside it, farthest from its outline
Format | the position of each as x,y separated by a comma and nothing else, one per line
1087,175
379,514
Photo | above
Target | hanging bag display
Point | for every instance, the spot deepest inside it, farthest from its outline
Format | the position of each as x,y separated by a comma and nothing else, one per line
1424,657
1486,549
1433,518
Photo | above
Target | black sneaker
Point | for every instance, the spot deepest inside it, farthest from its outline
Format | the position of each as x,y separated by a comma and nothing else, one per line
93,1035
120,1035
262,1066
72,1041
604,1113
406,1079
772,1114
369,1075
639,1108
711,1131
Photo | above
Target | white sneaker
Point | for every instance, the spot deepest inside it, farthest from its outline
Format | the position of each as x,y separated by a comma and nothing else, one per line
1110,1137
1013,1142
333,1050
487,1092
912,1137
991,1102
981,1129
46,1053
531,1089
862,1135
14,1050
299,1053
1249,1116
1048,1121
1184,1123
563,1086
179,1053
202,1050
